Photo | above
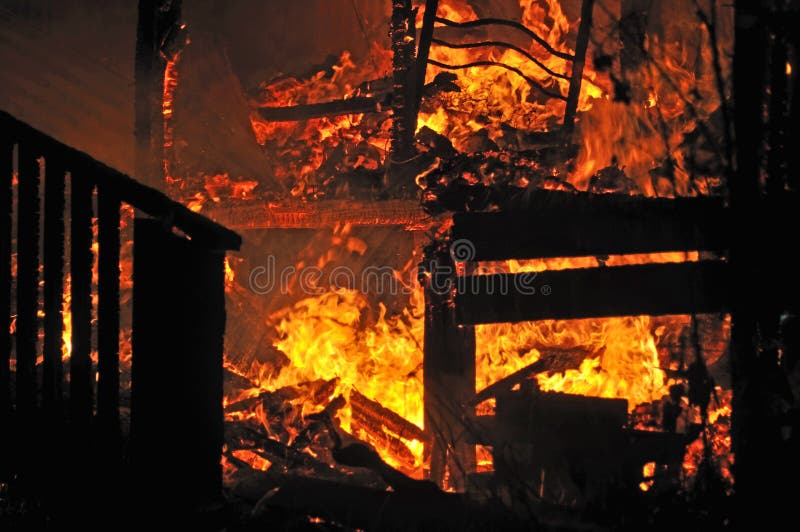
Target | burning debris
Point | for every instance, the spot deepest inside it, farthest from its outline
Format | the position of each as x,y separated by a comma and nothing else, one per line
342,369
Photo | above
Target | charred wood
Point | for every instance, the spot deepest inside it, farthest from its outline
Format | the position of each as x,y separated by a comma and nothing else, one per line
655,289
372,412
552,362
355,105
565,224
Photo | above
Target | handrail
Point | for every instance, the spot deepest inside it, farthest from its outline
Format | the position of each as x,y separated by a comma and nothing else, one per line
148,200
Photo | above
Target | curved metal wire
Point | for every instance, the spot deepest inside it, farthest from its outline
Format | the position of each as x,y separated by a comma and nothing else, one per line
503,22
500,44
531,81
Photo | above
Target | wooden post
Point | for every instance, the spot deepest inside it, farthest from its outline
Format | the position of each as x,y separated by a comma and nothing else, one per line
403,107
449,377
751,469
6,207
155,19
178,328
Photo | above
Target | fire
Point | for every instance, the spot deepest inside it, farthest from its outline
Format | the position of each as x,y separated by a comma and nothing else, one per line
330,337
342,344
491,96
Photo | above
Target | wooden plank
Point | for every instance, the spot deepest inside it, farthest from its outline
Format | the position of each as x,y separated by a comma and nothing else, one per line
27,279
654,289
6,206
81,389
53,371
565,224
108,317
307,215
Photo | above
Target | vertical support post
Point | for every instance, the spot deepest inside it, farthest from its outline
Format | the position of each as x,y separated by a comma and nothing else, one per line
155,19
403,107
755,485
449,377
81,303
777,157
578,63
178,329
6,207
108,314
53,372
27,280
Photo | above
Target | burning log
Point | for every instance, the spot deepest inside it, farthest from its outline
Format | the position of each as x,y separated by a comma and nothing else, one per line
371,412
238,435
570,359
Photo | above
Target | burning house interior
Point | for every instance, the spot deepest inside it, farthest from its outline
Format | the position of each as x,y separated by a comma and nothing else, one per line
398,264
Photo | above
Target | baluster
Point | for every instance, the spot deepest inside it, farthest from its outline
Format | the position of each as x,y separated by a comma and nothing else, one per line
53,373
108,312
81,273
27,280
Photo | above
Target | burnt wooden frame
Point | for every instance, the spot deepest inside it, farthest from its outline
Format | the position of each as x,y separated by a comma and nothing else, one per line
560,224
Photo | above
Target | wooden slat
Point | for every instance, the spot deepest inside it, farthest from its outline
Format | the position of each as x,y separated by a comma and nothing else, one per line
6,170
565,224
53,372
655,289
108,311
81,302
27,279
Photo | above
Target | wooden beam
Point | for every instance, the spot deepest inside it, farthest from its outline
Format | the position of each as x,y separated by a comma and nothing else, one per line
565,224
309,215
655,289
356,105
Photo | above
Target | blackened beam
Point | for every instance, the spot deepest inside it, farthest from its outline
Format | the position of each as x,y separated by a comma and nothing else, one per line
566,224
355,105
654,289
